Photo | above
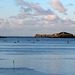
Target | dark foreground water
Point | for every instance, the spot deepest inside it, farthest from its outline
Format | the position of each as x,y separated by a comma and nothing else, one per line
37,56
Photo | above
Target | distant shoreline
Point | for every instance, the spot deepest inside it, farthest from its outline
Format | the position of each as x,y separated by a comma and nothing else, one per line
56,35
16,36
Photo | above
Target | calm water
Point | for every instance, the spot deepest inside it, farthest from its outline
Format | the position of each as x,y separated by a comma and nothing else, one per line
37,56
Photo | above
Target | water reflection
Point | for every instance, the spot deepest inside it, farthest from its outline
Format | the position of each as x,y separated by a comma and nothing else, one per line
54,64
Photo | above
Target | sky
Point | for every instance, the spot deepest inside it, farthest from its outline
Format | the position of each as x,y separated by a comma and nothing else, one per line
30,17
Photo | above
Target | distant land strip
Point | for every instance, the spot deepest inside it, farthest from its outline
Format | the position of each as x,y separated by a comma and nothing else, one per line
56,35
16,36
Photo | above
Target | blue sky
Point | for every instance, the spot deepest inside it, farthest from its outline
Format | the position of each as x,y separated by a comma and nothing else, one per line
29,17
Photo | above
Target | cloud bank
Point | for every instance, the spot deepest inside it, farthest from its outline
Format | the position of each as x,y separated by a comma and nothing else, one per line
33,19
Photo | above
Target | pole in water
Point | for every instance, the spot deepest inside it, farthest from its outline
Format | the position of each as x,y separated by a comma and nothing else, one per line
13,64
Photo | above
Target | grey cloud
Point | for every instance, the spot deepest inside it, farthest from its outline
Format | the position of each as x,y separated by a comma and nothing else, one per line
25,9
0,23
70,4
22,15
19,2
14,17
1,19
44,12
30,10
65,13
30,6
73,12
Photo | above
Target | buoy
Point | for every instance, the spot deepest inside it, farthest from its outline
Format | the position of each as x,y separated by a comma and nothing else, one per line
17,41
37,40
67,41
14,42
33,41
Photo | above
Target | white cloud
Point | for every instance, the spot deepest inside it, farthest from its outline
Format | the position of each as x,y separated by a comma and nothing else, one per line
48,23
21,21
4,21
50,17
56,4
73,19
66,19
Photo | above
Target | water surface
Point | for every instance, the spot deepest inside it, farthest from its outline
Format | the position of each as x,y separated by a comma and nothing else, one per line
37,56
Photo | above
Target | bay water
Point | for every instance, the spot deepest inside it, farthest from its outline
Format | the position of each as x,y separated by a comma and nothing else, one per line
37,56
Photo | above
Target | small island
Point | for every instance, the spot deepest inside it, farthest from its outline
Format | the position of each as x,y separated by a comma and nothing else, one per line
56,35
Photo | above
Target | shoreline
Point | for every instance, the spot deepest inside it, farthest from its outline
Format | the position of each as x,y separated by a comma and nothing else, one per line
56,35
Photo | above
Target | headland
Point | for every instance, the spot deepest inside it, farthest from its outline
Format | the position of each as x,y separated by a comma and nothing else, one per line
56,35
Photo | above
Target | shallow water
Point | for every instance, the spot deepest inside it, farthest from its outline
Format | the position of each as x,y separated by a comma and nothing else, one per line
37,56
